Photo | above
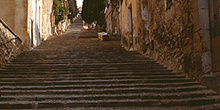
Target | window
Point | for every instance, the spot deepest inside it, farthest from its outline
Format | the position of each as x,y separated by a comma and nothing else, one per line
168,4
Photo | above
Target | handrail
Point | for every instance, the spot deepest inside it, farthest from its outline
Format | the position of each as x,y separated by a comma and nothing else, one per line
7,27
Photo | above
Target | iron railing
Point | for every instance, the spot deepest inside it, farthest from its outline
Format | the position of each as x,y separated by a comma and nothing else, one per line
7,27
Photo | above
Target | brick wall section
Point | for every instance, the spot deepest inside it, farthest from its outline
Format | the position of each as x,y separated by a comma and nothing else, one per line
9,49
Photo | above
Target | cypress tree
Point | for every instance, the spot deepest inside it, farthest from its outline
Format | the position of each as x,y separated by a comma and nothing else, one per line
94,11
72,8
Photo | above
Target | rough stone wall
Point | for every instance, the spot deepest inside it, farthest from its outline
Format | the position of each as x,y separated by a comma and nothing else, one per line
63,26
174,35
10,49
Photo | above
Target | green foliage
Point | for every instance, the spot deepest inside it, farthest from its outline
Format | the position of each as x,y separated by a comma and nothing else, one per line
93,11
59,11
72,9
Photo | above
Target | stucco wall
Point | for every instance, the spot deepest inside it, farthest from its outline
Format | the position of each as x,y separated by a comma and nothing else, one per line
13,12
46,19
7,12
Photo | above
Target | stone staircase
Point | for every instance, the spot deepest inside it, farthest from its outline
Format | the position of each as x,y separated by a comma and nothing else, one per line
68,72
64,81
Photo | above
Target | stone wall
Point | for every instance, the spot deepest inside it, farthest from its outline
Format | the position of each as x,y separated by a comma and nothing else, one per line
171,36
8,48
175,36
63,26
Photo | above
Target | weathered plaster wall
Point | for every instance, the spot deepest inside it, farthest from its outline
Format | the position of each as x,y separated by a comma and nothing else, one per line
46,19
34,23
7,12
133,42
13,12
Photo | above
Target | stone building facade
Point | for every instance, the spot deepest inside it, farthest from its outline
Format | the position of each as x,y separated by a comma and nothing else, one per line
180,34
30,19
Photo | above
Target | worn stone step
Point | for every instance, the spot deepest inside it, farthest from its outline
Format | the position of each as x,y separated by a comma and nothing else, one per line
107,103
104,70
80,59
75,56
86,65
69,67
92,77
177,95
106,90
101,86
201,107
57,76
78,64
106,81
100,72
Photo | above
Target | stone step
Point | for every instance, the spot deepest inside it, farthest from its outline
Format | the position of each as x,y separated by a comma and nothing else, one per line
7,74
117,90
107,103
177,95
92,77
101,86
144,60
98,81
60,65
84,76
78,55
40,68
201,107
104,70
63,63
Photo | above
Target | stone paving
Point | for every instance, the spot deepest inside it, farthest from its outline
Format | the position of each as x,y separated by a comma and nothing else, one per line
77,71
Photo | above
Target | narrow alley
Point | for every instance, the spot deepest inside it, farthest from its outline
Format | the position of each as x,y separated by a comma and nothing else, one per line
71,71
